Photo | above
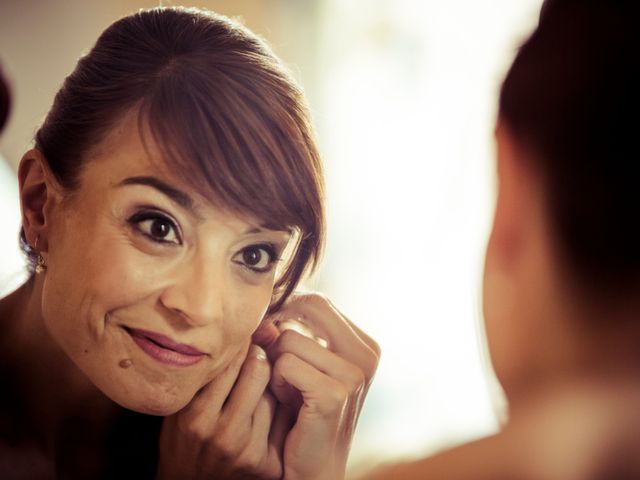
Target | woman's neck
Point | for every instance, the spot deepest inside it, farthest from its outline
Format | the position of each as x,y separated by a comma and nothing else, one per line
605,359
54,391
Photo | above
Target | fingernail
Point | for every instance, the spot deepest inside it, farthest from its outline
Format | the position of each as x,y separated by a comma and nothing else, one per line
297,324
260,353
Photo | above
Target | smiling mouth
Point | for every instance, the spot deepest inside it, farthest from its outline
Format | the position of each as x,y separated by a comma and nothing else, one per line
163,349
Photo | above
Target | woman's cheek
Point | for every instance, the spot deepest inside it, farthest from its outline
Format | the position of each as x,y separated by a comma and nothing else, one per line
122,273
249,306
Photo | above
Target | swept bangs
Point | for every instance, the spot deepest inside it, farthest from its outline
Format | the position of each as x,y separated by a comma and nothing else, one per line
227,116
239,133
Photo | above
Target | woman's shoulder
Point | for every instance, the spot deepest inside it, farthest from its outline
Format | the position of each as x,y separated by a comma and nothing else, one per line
588,429
579,431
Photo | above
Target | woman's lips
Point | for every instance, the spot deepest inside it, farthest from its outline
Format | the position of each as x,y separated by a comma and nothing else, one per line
165,350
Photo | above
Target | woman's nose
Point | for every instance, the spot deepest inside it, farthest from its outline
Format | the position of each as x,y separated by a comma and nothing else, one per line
197,292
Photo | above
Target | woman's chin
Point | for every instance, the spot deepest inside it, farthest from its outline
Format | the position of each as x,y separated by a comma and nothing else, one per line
160,397
160,405
155,409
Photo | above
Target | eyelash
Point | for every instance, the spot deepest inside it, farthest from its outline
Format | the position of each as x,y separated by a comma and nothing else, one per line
271,250
146,215
143,216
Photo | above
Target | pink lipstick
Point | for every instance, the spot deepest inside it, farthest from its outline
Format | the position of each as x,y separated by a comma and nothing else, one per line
165,350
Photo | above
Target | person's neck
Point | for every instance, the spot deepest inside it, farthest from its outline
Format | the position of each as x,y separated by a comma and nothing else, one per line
601,357
54,389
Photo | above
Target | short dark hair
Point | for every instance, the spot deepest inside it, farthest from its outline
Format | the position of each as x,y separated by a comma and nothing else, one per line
572,98
225,112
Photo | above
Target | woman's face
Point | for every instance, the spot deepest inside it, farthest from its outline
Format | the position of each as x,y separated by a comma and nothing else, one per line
150,289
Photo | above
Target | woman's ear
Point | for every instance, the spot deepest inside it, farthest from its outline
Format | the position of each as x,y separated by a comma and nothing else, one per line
38,190
514,197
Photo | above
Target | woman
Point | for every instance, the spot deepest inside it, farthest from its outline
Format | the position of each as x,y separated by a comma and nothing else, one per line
562,270
171,204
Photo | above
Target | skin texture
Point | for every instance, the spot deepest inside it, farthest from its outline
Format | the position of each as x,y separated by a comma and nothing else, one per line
522,281
109,274
240,411
301,426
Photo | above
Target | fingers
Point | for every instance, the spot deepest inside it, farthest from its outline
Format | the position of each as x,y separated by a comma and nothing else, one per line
283,420
328,362
371,343
263,418
232,398
246,419
322,394
324,387
208,402
343,337
226,432
271,424
252,381
266,334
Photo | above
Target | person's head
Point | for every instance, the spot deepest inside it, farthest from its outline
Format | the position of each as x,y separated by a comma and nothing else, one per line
175,166
563,260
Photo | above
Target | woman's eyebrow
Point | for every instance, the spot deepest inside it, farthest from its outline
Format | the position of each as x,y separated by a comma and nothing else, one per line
267,228
178,196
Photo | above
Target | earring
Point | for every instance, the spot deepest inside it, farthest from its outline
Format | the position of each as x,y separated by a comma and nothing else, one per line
40,265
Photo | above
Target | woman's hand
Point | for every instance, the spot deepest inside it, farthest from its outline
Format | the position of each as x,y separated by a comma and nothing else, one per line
299,428
320,389
227,431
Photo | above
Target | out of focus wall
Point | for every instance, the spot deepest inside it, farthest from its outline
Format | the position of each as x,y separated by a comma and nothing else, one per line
41,40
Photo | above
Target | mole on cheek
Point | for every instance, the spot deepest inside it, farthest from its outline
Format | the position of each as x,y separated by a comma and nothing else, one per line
126,363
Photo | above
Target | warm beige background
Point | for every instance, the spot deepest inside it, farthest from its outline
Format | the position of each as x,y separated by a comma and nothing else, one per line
40,42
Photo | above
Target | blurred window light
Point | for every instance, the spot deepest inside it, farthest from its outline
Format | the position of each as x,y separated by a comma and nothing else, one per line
405,110
12,263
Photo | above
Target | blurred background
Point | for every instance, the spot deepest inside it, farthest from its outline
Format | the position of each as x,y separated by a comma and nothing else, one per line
403,95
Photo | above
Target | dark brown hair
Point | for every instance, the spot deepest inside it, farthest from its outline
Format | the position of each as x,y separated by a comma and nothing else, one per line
572,97
226,114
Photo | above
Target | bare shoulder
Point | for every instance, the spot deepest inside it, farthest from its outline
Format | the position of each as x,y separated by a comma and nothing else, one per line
485,459
584,430
578,432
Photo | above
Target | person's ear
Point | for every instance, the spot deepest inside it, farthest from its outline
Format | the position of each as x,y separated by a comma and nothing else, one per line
38,191
508,257
514,198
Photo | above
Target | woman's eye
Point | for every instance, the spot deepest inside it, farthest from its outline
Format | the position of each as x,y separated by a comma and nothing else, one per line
158,228
259,258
